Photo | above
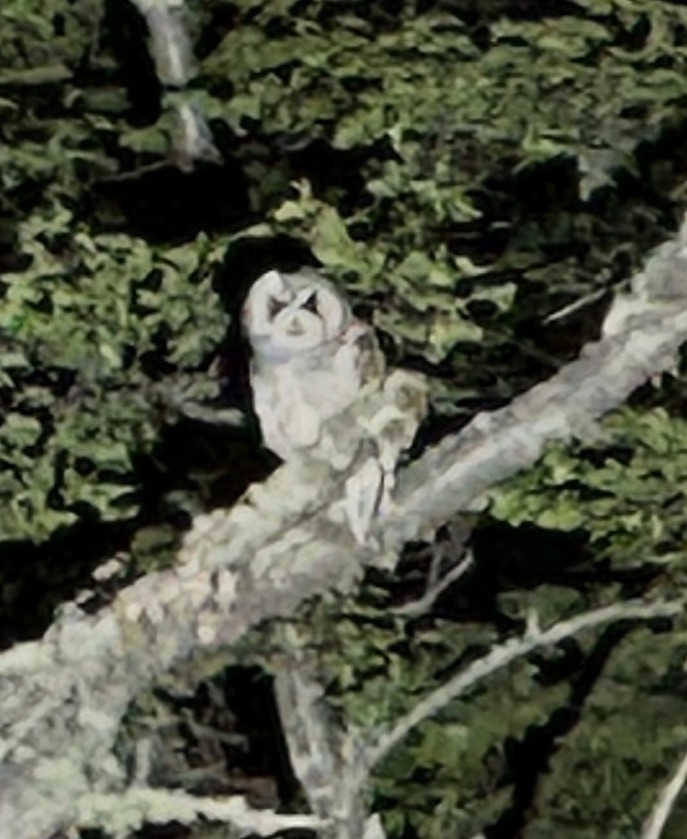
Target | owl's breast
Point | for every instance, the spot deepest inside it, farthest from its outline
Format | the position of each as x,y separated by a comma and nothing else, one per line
326,386
292,400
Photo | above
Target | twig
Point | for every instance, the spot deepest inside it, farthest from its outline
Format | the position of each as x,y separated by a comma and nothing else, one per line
422,604
576,305
501,656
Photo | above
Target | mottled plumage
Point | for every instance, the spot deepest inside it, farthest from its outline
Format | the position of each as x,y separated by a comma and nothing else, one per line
311,357
311,360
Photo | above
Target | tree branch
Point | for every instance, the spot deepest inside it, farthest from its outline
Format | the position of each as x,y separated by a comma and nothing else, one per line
172,52
503,655
643,333
325,757
123,813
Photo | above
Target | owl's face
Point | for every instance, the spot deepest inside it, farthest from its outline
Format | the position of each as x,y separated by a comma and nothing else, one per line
289,314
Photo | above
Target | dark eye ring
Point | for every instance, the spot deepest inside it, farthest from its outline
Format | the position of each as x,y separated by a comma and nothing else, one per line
274,306
311,303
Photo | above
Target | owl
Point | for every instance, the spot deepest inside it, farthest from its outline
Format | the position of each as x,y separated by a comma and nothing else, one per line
311,359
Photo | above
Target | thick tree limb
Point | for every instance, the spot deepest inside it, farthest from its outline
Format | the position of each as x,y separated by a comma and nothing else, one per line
455,474
325,758
644,330
62,698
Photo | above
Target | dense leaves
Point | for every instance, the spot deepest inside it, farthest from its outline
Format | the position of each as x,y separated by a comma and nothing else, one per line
83,322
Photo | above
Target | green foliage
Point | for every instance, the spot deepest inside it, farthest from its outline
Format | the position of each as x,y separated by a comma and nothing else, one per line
453,110
628,491
45,36
494,149
81,321
503,164
627,745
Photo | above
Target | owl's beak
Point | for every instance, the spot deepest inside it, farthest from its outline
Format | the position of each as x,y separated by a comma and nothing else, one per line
294,328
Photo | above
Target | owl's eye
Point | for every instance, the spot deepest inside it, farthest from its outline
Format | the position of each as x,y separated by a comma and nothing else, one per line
311,304
274,306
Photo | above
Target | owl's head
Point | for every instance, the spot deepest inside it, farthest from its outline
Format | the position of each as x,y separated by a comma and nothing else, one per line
289,314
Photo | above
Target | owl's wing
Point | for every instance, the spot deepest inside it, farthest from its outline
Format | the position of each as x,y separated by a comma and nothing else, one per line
368,439
268,414
359,357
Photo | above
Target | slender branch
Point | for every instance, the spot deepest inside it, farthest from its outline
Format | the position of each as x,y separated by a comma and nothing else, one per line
503,655
575,306
422,604
172,52
666,801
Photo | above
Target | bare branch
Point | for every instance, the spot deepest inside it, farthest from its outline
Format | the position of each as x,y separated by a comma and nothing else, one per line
503,655
643,332
455,474
326,759
169,42
172,52
422,604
